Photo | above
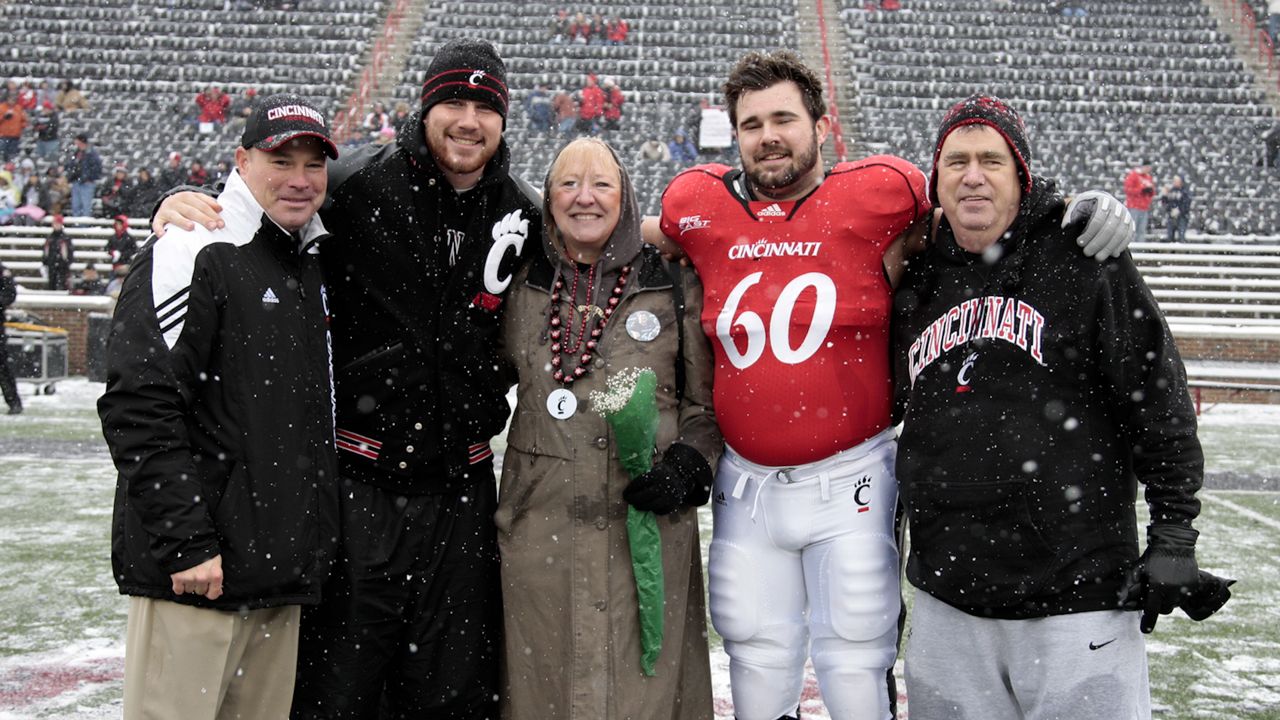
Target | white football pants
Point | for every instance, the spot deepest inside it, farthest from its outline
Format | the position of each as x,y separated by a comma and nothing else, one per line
816,538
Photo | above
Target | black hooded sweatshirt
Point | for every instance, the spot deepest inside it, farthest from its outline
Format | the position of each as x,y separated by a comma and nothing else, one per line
417,276
1037,389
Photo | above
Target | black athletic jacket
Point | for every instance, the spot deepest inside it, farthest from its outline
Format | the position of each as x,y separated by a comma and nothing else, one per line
418,275
219,412
1039,390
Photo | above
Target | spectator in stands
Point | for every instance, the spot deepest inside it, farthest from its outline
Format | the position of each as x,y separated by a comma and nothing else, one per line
84,170
590,107
1176,200
89,283
114,191
8,384
682,149
377,119
55,191
45,93
241,108
1139,192
613,100
59,253
8,197
174,173
143,194
29,211
537,107
579,30
412,616
13,120
221,170
45,125
654,149
27,98
1022,452
566,111
25,169
213,104
401,115
558,28
121,247
1271,146
618,29
1273,20
196,173
599,30
69,98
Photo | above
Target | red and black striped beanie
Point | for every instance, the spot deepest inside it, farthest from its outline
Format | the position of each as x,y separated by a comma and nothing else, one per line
467,69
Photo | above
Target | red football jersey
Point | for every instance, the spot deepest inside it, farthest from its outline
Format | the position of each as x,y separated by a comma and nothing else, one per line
797,305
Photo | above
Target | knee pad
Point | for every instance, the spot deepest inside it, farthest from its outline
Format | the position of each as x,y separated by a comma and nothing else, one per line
735,591
862,597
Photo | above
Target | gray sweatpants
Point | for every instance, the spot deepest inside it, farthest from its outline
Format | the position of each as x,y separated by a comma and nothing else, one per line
1085,666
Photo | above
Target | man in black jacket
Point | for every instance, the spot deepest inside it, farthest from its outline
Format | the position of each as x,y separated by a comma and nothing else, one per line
219,415
428,232
1041,386
8,384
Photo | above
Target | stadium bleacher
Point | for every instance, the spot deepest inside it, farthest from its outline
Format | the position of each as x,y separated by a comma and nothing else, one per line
1127,82
141,63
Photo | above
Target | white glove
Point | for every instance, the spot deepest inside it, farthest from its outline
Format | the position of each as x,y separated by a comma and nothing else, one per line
1110,228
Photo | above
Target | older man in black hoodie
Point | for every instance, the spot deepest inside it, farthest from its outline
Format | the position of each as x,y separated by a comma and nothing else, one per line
427,234
1040,387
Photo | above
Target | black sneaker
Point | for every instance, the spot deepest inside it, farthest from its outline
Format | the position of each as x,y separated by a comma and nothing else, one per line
15,409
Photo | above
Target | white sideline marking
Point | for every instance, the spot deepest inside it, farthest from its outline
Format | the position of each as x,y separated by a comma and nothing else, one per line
1241,510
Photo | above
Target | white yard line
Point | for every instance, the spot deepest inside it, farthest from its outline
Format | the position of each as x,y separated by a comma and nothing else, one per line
1242,510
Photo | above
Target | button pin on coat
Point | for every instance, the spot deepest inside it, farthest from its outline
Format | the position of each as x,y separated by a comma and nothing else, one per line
643,326
562,404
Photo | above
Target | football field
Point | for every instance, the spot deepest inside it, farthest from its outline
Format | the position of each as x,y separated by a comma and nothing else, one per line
62,621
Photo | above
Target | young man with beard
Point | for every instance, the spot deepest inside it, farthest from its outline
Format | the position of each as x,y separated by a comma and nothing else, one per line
1040,387
797,266
428,232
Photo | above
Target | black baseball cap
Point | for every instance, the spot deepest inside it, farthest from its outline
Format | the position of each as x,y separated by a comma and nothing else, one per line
281,118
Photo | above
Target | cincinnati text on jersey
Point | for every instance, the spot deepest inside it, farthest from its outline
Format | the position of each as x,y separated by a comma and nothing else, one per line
1008,319
762,248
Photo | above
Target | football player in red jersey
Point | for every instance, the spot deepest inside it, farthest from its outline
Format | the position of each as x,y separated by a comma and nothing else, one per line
798,267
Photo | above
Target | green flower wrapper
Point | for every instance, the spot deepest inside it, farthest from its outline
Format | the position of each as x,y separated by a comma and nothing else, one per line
631,408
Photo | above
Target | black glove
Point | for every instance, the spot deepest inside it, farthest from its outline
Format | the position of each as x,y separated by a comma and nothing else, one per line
1209,595
1165,574
682,477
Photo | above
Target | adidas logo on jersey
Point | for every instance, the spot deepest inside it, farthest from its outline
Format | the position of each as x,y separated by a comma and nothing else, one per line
772,211
720,498
270,297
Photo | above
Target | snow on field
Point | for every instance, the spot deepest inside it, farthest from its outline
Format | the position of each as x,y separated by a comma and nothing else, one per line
62,622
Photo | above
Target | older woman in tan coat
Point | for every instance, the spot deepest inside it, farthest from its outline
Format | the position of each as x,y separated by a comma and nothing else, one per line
598,302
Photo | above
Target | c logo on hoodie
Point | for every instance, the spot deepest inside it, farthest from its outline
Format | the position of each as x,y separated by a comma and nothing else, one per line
509,232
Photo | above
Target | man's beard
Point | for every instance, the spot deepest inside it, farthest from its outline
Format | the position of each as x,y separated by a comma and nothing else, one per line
437,144
768,183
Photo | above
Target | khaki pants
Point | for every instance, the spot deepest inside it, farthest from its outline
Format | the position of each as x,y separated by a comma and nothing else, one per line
201,664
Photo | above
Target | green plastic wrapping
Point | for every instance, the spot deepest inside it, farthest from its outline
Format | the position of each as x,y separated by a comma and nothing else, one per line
631,408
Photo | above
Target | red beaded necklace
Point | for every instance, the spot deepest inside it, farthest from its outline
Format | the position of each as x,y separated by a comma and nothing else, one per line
561,332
